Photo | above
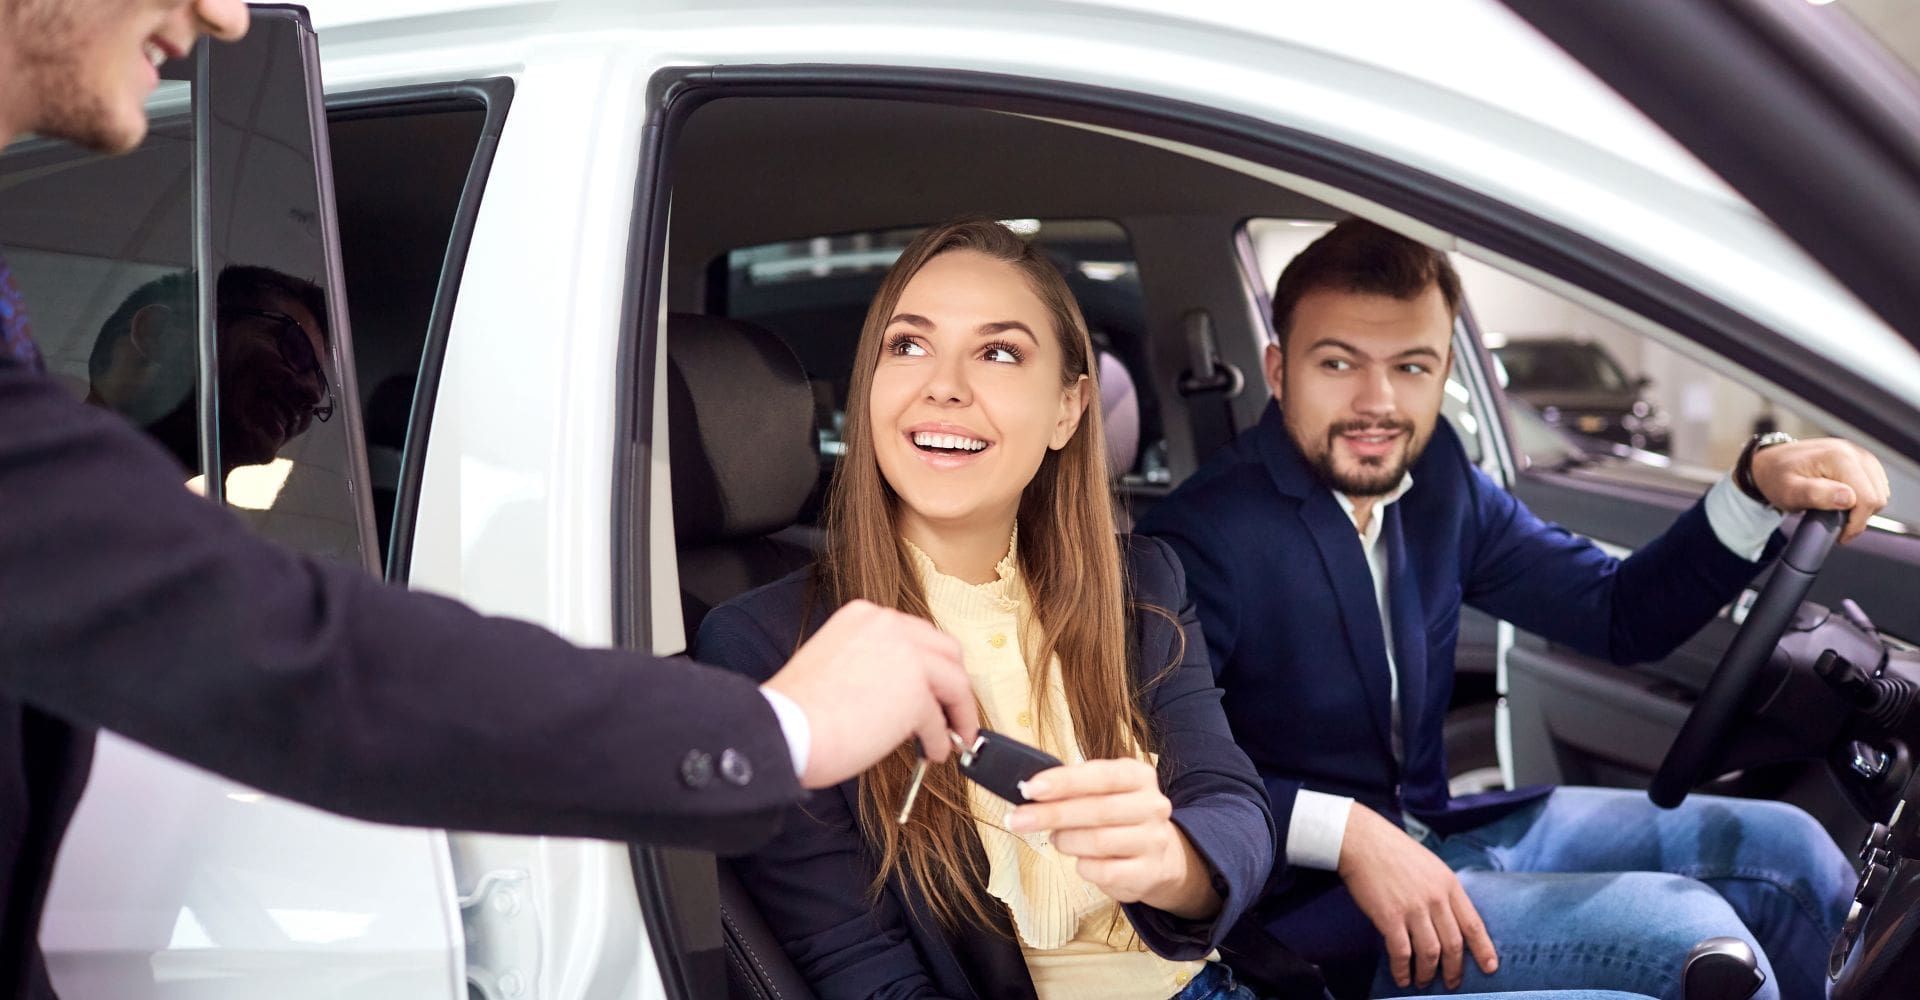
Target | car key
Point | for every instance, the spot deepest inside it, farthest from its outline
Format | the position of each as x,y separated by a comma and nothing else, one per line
1000,764
913,786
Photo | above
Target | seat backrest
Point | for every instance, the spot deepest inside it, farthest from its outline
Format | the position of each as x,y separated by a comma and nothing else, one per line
744,454
757,967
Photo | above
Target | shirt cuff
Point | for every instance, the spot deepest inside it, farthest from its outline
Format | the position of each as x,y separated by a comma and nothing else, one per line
1317,829
794,725
1742,523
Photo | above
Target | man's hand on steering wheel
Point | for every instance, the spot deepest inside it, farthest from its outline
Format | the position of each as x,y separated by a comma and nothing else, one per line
1823,474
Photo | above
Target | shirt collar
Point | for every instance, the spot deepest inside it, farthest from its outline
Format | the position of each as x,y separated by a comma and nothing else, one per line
1379,505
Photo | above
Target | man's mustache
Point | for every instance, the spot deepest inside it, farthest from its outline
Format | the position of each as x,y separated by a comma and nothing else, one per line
1360,426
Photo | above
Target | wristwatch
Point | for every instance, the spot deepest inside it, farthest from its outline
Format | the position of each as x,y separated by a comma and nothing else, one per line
1743,469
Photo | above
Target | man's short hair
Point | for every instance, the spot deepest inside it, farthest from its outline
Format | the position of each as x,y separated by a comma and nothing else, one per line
243,282
1365,258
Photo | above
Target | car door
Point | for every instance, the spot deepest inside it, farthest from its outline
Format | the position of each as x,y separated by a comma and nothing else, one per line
1837,170
194,286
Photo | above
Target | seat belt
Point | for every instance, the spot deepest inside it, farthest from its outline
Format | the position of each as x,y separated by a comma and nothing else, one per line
1209,386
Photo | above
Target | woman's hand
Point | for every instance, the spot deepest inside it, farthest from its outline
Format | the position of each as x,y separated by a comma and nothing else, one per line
1112,816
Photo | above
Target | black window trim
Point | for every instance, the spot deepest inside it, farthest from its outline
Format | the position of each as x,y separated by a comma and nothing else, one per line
494,96
678,893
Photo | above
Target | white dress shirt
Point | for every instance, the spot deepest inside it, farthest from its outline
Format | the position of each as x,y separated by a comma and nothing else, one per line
1319,822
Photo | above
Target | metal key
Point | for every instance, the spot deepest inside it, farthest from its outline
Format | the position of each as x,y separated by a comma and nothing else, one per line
913,787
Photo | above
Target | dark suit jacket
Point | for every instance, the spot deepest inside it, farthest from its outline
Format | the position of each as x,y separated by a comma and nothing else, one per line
811,882
1287,601
129,604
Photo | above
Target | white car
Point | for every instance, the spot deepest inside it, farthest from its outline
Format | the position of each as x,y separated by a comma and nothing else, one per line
514,206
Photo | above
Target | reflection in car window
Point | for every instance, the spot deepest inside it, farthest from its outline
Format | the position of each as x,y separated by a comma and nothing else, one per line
113,297
285,452
813,293
1276,241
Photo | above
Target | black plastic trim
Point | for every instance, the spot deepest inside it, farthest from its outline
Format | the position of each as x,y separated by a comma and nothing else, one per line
675,888
207,344
495,96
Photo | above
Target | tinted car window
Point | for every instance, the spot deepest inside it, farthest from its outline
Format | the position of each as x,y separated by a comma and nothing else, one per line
103,249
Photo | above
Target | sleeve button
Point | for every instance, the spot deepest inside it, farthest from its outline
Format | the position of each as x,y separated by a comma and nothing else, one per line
735,767
696,769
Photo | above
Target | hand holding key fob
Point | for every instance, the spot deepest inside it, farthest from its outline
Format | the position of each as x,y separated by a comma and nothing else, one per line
1000,763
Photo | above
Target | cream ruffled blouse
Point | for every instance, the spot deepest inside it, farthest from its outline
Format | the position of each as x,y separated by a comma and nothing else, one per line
1076,940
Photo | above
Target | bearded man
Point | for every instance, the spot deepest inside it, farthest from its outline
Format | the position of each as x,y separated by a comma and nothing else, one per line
1329,550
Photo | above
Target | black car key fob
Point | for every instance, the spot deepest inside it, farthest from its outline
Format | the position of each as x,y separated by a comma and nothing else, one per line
1000,763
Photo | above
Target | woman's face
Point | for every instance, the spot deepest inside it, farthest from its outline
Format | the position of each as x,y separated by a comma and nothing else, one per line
967,398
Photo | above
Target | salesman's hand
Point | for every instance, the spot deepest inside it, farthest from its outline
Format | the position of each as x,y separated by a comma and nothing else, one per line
870,679
1414,900
1823,474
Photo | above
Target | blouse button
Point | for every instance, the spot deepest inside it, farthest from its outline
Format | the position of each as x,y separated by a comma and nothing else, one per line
1025,719
997,640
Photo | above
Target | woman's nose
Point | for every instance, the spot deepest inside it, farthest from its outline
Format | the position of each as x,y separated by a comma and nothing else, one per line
947,383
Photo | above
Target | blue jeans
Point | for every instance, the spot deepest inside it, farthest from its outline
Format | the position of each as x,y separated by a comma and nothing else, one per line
1595,887
1216,982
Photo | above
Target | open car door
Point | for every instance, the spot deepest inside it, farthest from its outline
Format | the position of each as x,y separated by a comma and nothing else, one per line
195,287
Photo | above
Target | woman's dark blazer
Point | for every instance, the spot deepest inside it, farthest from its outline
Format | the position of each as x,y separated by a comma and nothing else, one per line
811,882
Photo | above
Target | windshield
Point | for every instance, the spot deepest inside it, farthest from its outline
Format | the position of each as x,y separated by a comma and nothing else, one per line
1561,366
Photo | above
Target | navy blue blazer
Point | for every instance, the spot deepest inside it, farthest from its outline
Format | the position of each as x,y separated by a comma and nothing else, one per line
811,881
1293,628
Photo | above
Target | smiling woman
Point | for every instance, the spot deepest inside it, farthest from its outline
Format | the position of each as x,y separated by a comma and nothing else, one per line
974,492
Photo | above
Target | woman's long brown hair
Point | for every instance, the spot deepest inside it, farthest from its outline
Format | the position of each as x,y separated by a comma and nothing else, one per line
1067,555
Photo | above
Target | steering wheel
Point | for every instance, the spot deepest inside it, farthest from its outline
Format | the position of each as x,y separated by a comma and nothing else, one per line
1695,753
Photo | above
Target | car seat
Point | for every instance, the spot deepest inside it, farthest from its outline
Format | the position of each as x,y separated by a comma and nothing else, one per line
744,457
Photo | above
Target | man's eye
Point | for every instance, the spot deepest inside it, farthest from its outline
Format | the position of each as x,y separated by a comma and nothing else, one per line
1336,364
1415,368
901,345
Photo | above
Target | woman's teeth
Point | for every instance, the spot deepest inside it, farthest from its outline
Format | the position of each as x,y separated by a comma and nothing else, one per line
947,442
154,53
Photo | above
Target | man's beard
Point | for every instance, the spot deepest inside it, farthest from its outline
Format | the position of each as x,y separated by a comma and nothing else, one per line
1374,476
49,39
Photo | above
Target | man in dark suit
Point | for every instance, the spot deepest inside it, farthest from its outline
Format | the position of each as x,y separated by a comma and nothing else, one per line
1329,550
130,604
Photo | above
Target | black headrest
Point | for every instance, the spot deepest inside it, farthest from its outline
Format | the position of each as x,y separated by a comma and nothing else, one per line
740,430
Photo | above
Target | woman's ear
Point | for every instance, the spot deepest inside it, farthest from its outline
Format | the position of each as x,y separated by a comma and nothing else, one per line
1073,404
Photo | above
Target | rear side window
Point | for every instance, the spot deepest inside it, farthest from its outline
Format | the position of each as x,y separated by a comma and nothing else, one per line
401,177
813,293
104,251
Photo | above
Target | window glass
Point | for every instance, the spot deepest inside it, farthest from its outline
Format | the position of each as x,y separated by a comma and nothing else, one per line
286,451
1625,405
102,250
1277,241
399,175
813,294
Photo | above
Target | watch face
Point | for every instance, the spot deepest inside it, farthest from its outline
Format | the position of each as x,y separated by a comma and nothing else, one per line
1772,438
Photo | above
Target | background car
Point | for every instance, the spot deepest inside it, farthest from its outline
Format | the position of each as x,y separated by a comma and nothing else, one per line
1577,385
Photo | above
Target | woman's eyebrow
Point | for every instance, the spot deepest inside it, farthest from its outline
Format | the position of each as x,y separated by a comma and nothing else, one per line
911,319
995,329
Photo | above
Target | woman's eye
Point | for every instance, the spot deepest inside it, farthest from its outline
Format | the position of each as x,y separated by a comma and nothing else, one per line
905,347
1004,354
